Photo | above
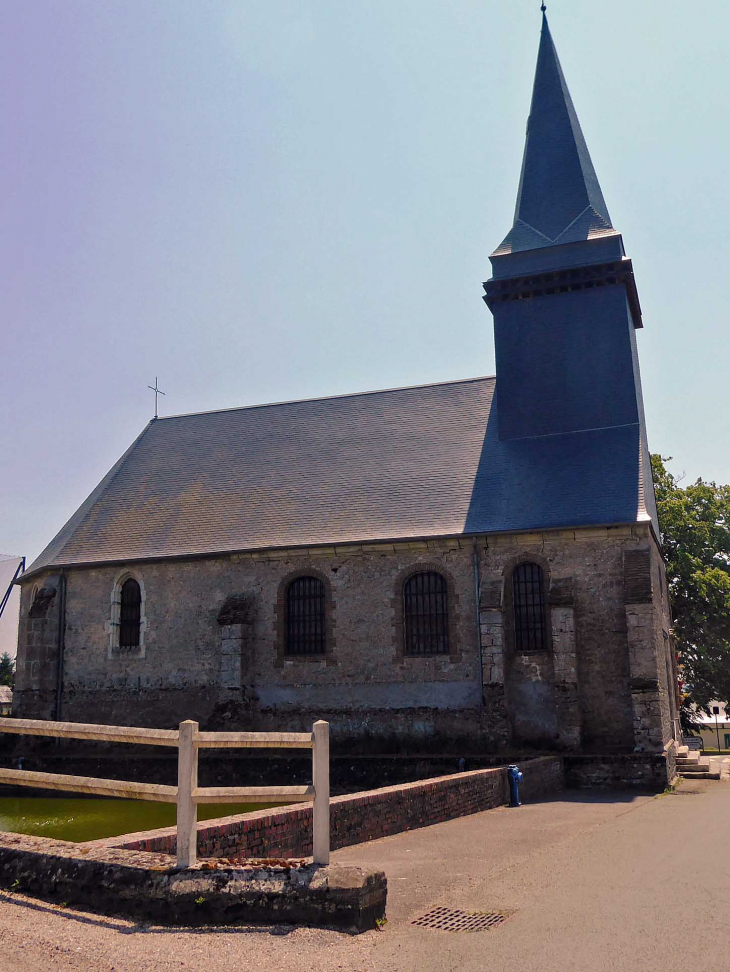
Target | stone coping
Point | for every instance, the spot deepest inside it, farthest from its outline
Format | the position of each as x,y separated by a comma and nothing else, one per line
148,886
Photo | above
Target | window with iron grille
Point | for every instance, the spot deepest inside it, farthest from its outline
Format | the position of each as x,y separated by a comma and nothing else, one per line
130,614
529,608
305,617
425,613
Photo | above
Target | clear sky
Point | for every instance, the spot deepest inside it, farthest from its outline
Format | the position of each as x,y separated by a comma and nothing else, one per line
261,200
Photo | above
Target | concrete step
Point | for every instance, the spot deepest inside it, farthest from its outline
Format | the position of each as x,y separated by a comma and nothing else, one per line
695,771
700,776
689,758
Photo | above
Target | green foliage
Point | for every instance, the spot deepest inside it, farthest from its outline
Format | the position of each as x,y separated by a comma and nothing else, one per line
7,670
695,525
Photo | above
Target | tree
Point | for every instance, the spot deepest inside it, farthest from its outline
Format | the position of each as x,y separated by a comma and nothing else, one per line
7,670
694,522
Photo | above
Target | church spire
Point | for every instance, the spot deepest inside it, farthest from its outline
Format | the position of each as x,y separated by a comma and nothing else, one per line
559,198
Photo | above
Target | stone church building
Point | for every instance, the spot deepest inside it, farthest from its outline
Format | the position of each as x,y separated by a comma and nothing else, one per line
469,563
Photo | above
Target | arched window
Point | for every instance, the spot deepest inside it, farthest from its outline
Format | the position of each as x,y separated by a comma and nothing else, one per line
33,598
41,601
425,613
130,614
305,617
529,608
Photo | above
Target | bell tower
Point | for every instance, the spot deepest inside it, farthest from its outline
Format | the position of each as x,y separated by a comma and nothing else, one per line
562,291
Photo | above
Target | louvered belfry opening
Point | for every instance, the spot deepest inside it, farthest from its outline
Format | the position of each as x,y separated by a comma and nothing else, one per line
130,614
425,609
529,608
305,617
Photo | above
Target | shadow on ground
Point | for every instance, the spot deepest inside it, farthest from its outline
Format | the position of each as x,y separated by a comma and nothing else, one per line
123,928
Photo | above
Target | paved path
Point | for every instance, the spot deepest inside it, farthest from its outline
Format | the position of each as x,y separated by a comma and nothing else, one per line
595,882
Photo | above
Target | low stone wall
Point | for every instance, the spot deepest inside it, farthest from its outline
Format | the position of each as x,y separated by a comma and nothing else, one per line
541,777
357,817
650,771
148,886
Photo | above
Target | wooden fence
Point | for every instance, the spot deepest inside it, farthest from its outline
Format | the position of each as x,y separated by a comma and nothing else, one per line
187,794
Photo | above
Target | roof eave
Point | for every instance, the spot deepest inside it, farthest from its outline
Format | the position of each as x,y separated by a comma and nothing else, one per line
422,538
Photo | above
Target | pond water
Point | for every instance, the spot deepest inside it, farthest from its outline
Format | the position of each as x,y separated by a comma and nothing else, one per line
79,819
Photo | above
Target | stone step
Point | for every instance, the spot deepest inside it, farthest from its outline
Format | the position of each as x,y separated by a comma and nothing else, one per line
695,771
700,776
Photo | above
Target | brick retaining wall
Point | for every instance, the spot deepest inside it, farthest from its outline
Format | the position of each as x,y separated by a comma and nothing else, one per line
356,817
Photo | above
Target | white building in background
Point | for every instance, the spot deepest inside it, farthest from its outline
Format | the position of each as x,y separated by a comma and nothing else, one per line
714,727
10,616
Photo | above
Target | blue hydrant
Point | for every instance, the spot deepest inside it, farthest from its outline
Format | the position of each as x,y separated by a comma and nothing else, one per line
515,778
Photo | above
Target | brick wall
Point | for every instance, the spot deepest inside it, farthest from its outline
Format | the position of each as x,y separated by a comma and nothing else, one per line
357,817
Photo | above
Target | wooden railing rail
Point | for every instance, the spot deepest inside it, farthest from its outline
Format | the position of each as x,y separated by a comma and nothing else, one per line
254,740
253,794
90,784
81,730
187,794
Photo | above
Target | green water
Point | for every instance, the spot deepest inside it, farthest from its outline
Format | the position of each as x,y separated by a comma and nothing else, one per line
75,819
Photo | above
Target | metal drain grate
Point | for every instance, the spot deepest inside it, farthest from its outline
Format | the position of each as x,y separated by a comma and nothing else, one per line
453,920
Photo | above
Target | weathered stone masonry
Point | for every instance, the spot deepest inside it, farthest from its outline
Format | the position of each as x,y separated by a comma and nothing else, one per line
214,649
588,690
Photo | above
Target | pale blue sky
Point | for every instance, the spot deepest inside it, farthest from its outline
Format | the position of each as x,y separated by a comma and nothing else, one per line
260,200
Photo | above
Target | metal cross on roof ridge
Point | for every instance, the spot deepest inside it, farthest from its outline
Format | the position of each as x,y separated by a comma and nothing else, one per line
157,392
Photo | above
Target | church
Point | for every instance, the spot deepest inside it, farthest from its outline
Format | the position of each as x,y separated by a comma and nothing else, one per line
471,565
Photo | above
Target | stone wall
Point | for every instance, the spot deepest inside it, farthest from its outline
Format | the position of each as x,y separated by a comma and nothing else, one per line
357,817
39,633
542,777
361,685
632,771
581,693
148,887
204,661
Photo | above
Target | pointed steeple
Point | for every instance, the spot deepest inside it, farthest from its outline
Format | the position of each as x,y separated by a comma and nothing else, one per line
559,199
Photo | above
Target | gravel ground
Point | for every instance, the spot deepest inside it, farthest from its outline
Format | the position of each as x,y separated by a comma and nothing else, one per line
597,882
36,936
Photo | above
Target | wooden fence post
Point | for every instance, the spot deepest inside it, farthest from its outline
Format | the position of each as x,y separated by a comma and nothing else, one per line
321,780
187,781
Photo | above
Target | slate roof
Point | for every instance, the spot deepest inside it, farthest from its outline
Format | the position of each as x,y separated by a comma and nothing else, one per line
559,198
405,463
